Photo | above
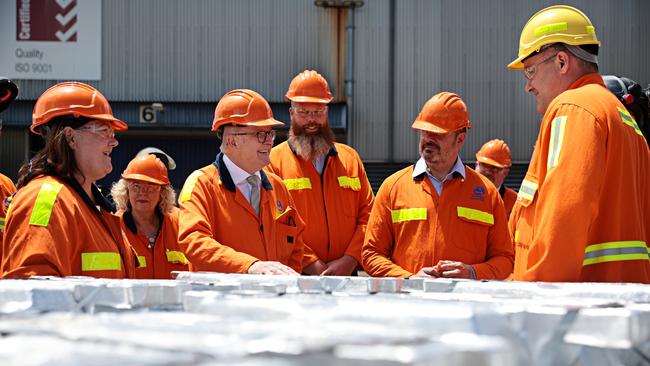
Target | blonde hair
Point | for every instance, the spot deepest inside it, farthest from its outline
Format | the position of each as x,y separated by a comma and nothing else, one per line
120,193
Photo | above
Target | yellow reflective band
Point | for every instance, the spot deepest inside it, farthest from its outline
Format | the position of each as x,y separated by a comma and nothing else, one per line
527,190
2,223
176,257
101,261
628,120
476,215
615,251
142,261
557,138
516,235
188,187
295,184
551,28
349,182
408,214
42,209
590,29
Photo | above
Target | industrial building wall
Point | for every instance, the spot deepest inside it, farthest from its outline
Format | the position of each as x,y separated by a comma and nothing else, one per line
464,47
194,51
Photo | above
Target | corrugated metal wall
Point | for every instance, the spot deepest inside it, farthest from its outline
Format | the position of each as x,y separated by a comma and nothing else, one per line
464,47
196,50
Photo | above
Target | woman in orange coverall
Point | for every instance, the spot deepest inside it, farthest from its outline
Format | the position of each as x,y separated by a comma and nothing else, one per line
59,223
145,200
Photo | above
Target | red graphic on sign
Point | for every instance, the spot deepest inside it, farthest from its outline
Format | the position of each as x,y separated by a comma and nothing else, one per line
46,20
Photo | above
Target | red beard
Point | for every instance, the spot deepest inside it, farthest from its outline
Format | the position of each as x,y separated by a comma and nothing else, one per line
311,146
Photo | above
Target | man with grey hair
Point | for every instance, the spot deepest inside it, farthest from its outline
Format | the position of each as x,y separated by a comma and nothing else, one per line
583,209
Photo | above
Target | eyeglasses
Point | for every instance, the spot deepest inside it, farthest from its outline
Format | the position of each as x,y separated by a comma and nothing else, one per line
315,113
531,70
104,131
261,135
143,188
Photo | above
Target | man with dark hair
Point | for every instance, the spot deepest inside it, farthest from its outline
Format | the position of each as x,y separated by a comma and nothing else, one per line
583,209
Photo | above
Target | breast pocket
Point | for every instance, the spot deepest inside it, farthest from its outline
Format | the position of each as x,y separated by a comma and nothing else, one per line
286,231
473,228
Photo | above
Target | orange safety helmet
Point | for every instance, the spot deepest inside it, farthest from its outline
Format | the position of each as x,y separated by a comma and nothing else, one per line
147,168
243,107
309,87
496,153
444,113
76,99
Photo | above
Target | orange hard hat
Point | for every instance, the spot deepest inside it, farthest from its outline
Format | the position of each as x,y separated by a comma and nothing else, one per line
76,99
309,87
243,107
445,112
496,153
147,168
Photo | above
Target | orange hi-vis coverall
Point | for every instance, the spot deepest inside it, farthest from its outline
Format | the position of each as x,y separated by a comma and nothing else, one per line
583,210
509,197
156,260
219,230
7,188
411,227
335,205
54,229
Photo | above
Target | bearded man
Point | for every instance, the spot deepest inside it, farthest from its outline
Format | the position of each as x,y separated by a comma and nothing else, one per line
326,180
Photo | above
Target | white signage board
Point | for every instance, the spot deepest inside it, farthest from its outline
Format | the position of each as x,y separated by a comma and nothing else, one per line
51,39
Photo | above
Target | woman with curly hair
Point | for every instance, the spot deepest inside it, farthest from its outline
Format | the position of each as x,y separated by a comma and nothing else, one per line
59,223
145,201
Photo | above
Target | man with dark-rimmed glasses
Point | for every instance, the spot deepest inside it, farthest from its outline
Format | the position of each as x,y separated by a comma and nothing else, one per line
235,217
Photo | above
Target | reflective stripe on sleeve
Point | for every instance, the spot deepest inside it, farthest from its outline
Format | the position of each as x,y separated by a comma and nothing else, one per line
408,214
628,120
2,223
615,251
295,184
350,182
188,187
176,257
476,215
527,190
42,209
557,138
101,261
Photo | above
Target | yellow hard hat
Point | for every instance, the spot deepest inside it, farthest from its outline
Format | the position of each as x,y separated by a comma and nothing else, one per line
555,24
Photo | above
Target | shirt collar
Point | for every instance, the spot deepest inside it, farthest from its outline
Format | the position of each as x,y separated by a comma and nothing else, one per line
420,169
591,78
100,200
237,174
226,178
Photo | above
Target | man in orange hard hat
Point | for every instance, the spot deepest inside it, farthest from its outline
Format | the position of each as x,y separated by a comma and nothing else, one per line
494,160
234,217
583,209
326,179
438,218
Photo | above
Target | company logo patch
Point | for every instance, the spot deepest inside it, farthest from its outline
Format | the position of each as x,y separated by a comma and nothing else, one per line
478,194
46,20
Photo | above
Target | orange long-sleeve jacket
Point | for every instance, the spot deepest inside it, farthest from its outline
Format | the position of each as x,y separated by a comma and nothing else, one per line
156,261
509,197
335,205
219,230
583,209
411,227
7,188
54,229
